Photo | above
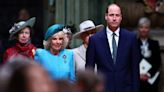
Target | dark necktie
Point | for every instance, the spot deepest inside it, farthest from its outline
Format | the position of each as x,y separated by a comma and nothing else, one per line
114,46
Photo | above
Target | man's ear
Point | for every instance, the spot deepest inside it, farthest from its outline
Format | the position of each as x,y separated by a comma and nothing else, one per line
121,17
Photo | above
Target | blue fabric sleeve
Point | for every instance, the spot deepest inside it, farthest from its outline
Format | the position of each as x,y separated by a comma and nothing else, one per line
36,57
72,69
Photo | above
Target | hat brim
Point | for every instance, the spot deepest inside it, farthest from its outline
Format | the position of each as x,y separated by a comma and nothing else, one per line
29,23
78,34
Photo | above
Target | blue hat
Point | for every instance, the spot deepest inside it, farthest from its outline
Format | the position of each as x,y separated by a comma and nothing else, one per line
52,30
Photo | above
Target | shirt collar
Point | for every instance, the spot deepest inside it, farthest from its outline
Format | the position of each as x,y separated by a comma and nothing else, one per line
116,32
144,41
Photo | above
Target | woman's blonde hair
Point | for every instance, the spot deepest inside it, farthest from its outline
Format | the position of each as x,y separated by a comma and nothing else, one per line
47,44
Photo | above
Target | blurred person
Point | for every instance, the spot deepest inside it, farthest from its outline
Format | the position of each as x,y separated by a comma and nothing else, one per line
57,60
65,86
150,52
87,29
116,53
21,74
21,32
88,81
23,14
38,80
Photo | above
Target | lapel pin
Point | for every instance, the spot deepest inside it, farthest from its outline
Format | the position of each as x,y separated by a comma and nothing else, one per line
64,57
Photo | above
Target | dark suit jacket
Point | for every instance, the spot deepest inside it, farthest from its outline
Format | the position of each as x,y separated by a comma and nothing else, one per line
155,61
123,76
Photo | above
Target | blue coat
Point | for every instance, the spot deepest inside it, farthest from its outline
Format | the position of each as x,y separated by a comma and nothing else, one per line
123,75
58,66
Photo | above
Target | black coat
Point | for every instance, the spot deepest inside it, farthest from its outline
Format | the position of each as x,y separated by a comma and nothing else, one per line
155,61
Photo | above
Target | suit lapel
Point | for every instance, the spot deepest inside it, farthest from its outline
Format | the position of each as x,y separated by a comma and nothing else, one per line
150,44
121,48
106,47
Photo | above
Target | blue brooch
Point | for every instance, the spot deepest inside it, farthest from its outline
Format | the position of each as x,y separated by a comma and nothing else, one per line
64,57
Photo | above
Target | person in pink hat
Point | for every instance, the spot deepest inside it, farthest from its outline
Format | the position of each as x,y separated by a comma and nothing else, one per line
87,29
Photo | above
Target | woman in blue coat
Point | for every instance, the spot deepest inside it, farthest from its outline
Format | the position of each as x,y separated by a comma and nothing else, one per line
57,60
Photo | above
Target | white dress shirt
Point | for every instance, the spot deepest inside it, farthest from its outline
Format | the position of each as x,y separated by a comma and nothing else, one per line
144,42
110,35
145,48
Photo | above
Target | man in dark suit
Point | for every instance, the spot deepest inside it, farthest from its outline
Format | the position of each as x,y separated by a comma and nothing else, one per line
116,53
150,52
